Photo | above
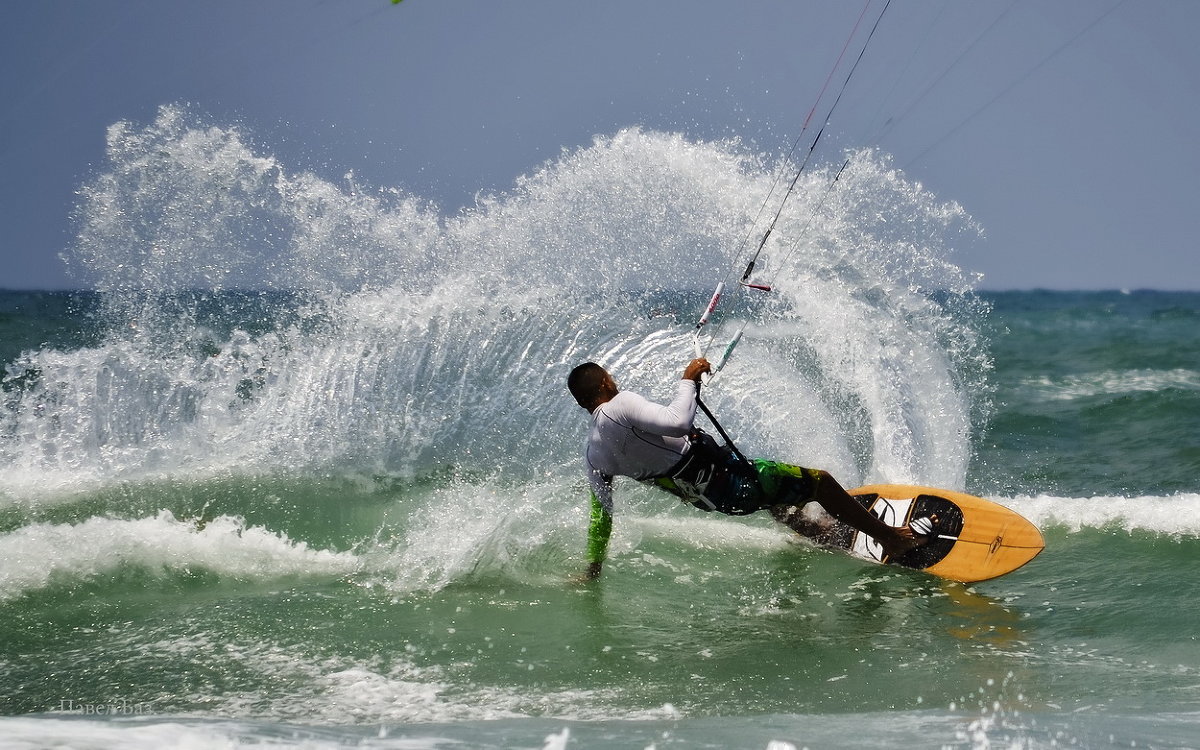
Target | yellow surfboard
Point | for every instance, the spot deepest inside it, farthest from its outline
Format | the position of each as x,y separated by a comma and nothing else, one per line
971,539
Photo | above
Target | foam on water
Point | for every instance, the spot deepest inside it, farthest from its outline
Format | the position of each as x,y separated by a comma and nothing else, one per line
454,534
458,532
1177,515
38,555
1113,383
340,690
1024,730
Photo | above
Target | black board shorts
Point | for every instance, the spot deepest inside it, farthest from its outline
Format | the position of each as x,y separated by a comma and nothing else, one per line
713,477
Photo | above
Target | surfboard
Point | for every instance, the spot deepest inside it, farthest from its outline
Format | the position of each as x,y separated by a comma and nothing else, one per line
972,539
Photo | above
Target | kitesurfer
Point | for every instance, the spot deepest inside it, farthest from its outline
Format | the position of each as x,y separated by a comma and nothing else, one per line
631,436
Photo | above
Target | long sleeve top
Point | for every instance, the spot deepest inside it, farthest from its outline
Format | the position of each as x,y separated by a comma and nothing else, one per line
633,437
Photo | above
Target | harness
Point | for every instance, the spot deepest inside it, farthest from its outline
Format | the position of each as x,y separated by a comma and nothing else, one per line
714,477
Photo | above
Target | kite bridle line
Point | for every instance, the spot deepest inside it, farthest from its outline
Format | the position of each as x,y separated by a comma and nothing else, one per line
746,281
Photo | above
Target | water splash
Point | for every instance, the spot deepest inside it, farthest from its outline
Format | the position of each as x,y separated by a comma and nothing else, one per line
259,319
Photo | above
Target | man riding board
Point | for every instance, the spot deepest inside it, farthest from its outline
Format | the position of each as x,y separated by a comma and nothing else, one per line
631,436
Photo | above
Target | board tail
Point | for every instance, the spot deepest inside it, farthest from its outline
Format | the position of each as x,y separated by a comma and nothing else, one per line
970,539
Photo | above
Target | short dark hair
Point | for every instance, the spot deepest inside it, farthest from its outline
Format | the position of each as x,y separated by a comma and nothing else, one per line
584,382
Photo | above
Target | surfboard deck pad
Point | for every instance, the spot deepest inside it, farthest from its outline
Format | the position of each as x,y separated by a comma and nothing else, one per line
970,539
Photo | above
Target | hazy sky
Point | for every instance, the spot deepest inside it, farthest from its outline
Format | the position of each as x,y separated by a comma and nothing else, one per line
1066,129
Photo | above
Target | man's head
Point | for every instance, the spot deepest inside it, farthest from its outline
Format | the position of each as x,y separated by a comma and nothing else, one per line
591,385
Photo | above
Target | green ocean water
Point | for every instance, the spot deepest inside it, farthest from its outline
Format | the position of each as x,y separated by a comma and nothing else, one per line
351,515
345,607
1097,393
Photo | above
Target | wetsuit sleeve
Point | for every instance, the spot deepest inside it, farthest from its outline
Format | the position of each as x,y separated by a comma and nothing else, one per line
599,530
674,420
600,522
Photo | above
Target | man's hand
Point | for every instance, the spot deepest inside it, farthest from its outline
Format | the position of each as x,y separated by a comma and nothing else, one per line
696,368
591,574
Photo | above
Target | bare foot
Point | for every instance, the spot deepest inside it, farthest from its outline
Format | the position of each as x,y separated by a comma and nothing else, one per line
904,540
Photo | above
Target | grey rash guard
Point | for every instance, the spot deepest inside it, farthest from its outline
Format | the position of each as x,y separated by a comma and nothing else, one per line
633,437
